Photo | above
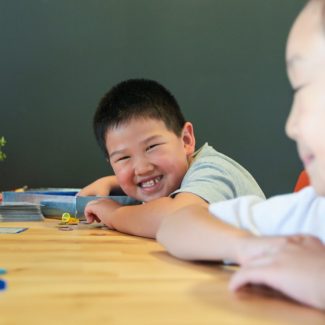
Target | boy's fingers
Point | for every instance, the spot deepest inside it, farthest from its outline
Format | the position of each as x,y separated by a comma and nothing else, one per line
91,218
89,213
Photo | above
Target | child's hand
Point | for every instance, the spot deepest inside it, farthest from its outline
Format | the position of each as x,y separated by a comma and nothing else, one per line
101,211
101,187
251,247
295,266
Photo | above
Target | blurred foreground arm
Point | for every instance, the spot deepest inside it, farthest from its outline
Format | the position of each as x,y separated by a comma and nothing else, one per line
192,233
296,267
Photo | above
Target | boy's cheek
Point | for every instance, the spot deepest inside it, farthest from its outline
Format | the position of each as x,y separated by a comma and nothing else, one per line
120,172
125,180
122,179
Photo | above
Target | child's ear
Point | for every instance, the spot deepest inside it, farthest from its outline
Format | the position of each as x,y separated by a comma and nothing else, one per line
188,138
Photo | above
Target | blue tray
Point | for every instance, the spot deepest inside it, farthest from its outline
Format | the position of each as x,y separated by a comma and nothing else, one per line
53,204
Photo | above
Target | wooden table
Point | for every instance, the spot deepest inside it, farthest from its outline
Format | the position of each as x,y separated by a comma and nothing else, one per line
95,276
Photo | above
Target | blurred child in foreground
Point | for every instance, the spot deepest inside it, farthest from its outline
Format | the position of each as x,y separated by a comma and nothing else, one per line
294,265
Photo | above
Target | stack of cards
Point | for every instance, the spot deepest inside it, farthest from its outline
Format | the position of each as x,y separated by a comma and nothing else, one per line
20,211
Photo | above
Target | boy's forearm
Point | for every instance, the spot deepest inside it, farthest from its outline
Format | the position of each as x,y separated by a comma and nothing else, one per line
133,220
145,219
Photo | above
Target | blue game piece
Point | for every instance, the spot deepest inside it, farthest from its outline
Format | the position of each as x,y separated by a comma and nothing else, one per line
3,284
2,271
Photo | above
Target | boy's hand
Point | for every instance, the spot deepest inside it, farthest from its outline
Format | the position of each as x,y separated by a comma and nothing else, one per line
101,211
294,265
101,187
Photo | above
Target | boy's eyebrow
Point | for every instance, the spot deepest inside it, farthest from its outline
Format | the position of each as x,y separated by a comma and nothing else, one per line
153,137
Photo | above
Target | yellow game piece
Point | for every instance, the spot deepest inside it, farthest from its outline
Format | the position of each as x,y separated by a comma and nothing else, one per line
66,217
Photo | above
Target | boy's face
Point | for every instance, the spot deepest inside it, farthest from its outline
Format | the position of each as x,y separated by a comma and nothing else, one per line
306,71
149,160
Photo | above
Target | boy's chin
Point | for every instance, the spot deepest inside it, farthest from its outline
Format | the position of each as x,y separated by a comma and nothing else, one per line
148,198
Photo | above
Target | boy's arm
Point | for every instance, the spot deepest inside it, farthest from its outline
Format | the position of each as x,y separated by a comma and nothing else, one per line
101,187
140,220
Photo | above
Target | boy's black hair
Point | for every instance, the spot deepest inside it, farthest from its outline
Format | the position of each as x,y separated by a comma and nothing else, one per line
136,98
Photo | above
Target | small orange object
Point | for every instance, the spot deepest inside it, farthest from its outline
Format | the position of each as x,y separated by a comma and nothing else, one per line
303,181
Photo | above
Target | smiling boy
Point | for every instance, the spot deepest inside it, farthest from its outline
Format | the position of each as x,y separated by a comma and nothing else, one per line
151,148
149,160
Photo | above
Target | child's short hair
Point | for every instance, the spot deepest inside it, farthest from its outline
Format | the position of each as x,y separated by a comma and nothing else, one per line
136,98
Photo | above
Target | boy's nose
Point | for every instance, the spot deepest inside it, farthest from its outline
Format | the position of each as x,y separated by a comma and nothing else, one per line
292,126
143,166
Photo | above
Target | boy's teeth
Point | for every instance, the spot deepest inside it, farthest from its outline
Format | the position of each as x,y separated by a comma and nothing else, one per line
150,183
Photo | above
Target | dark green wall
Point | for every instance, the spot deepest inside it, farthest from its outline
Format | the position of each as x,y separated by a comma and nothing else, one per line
223,60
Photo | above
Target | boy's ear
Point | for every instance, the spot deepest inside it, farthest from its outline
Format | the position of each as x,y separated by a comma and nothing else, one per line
188,138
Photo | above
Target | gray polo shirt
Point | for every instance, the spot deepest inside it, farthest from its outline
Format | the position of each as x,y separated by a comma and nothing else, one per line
215,177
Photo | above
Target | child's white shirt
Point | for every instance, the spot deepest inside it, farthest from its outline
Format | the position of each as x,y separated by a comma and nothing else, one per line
297,213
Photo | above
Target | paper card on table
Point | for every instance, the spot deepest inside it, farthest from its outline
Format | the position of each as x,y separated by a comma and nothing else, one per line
11,230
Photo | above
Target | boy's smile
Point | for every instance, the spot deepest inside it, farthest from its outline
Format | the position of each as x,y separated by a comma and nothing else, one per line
306,70
149,160
151,183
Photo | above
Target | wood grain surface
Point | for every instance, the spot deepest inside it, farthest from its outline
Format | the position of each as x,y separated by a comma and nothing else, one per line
92,275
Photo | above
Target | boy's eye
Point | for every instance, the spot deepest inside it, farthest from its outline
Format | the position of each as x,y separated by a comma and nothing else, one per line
152,146
122,158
